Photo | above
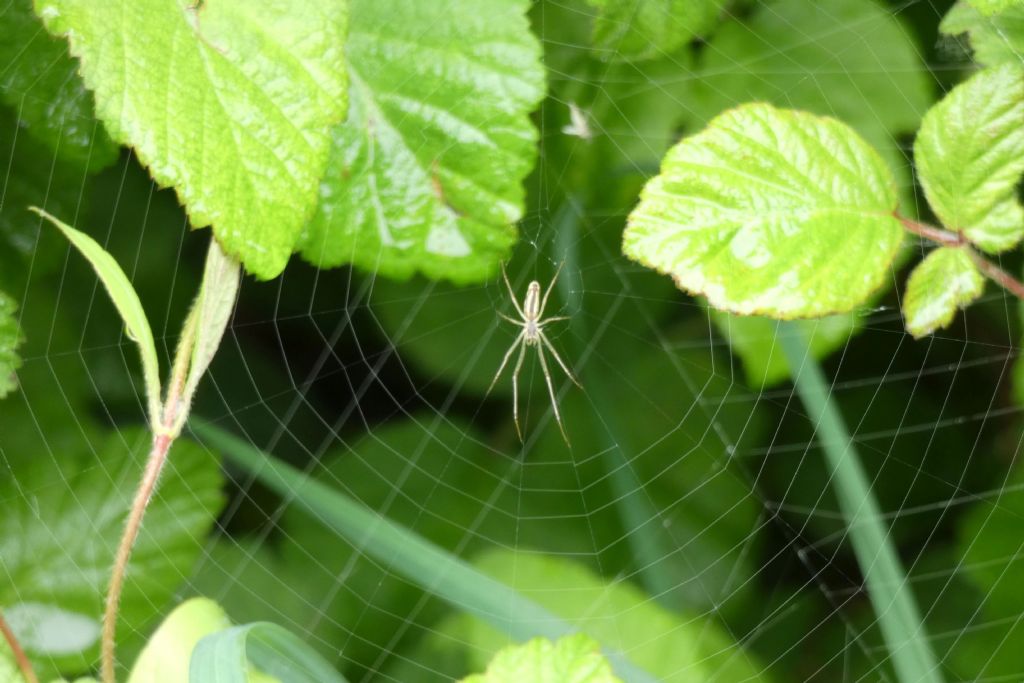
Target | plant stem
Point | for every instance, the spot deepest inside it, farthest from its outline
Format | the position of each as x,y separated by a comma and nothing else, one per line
19,654
957,239
887,585
154,465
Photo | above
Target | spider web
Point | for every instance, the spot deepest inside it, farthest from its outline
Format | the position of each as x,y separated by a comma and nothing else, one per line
684,479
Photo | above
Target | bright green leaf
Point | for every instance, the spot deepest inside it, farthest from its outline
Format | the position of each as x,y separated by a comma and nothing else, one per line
166,656
851,59
677,648
755,340
996,39
970,156
642,29
234,654
944,281
426,174
229,102
770,212
63,517
10,338
40,81
990,7
572,659
123,295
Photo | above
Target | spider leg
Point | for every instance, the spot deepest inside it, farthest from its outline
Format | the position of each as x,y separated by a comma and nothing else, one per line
504,361
544,322
515,389
544,301
558,358
510,319
551,392
515,302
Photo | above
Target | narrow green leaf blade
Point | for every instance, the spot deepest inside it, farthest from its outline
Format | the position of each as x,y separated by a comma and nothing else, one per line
10,338
40,81
228,101
226,657
770,212
426,174
944,281
970,156
996,39
121,292
576,658
443,574
645,29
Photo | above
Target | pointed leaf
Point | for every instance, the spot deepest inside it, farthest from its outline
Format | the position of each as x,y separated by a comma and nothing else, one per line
121,292
573,659
970,156
643,29
996,39
944,281
230,102
426,174
770,212
10,338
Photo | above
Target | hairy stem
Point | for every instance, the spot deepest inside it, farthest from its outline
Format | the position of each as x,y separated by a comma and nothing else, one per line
887,585
956,239
19,654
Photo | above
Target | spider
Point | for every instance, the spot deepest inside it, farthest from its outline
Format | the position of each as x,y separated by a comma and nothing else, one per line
532,334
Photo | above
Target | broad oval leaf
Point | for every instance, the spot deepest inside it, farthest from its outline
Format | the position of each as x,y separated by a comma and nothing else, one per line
10,338
64,513
165,658
41,82
771,212
576,658
228,101
228,655
121,292
944,281
644,29
970,156
426,174
995,39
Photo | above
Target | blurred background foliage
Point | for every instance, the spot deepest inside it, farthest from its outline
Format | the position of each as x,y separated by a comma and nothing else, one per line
377,386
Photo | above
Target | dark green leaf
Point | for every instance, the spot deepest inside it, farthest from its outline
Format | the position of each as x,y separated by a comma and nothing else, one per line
643,29
997,39
10,338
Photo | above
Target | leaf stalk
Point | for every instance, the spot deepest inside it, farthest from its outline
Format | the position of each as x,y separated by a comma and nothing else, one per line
20,658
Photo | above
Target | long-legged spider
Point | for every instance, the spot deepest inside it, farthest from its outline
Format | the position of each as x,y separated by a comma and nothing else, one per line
532,334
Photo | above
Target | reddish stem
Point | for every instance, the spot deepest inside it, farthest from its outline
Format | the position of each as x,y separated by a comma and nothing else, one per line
19,655
957,239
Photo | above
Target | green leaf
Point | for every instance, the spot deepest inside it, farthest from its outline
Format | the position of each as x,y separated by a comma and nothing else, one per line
770,212
123,295
990,7
64,513
996,39
166,656
10,338
851,59
426,174
575,659
755,340
40,81
675,647
228,656
643,29
944,281
970,156
236,110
